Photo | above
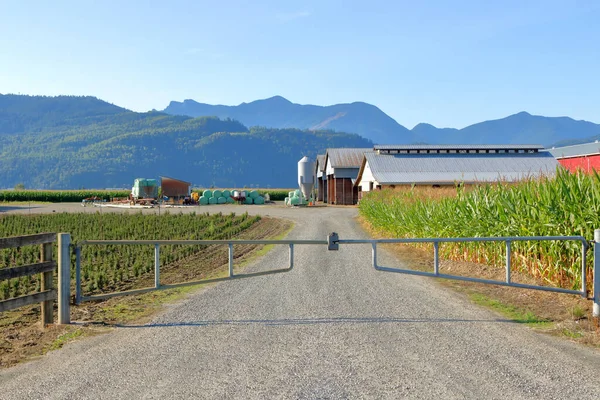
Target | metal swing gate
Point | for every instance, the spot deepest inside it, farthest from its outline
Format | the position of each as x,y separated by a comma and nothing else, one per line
333,242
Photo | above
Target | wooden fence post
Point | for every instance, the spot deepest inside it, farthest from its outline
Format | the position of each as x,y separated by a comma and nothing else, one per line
64,278
47,306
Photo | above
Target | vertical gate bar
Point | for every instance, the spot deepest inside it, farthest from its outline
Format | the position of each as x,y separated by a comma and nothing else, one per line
596,308
64,278
78,275
291,255
583,270
230,260
436,261
374,253
507,261
156,265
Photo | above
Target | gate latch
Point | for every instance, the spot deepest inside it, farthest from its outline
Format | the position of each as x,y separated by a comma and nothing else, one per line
333,241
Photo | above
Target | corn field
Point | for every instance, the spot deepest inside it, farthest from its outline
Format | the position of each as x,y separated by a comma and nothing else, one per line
566,205
59,196
107,266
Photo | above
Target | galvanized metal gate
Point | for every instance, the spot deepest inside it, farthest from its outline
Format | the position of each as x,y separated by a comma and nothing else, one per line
333,242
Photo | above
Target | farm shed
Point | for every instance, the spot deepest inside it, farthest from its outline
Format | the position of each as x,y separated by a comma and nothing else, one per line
174,189
321,178
341,169
436,165
580,156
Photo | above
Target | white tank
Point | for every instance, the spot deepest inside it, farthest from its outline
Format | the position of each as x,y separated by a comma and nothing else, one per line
306,178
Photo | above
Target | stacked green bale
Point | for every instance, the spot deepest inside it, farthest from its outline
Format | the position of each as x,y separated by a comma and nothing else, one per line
212,200
207,193
217,193
229,200
253,194
249,200
259,200
226,193
203,200
221,200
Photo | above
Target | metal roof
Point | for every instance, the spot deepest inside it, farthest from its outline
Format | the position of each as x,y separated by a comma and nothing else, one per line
577,150
346,158
321,162
449,168
459,147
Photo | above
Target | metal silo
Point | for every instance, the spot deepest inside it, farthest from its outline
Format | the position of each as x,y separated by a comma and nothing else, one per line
306,178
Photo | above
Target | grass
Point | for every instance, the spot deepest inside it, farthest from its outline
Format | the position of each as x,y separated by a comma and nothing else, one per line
511,312
64,339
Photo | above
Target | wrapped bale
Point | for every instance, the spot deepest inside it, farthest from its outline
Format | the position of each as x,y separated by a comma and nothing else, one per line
249,200
294,201
203,200
217,193
229,200
212,200
254,194
259,200
226,193
207,193
221,200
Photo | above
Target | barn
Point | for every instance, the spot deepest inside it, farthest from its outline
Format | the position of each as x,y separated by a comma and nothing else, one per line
175,189
437,165
321,178
341,169
585,157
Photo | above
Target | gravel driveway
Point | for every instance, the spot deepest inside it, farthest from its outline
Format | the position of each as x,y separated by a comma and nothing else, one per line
331,328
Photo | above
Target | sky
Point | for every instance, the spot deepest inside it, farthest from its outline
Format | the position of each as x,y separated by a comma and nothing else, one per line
448,63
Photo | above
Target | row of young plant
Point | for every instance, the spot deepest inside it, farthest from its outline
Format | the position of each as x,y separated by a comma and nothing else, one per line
111,266
566,205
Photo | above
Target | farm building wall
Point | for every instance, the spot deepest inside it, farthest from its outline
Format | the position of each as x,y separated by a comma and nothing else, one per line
342,191
584,163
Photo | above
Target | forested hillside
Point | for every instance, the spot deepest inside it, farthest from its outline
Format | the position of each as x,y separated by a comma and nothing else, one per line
60,145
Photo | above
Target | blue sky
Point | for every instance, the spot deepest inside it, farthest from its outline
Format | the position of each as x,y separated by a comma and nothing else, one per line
448,63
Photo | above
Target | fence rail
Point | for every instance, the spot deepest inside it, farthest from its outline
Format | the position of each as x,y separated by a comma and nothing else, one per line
45,267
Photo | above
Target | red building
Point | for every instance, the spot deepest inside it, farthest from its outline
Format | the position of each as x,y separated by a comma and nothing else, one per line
581,156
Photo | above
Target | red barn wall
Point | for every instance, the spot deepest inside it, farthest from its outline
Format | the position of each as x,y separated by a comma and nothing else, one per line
585,163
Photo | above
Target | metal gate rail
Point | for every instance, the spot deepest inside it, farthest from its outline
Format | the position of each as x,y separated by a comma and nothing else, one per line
157,243
507,240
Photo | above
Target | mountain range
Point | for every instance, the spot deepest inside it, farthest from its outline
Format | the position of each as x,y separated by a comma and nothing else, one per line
375,125
70,142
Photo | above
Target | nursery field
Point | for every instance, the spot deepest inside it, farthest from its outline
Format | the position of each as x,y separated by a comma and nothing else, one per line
111,267
566,205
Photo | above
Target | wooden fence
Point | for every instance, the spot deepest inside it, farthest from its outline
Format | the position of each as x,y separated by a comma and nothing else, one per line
45,267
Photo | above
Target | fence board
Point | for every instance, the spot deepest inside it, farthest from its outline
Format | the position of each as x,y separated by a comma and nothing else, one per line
19,241
31,269
17,302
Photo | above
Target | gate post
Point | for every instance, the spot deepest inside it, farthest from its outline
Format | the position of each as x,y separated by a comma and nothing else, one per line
64,278
596,307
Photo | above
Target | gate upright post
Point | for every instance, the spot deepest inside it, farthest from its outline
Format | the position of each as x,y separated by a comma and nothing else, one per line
596,307
64,278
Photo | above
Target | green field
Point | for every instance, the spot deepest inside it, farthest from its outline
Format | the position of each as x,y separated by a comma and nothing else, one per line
566,205
109,267
69,196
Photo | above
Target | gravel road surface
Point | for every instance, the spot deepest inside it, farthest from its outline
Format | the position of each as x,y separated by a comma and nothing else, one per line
331,328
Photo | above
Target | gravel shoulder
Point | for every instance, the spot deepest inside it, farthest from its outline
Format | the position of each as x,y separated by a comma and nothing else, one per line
331,328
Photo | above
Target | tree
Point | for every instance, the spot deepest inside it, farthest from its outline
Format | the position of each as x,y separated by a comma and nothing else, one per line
20,186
